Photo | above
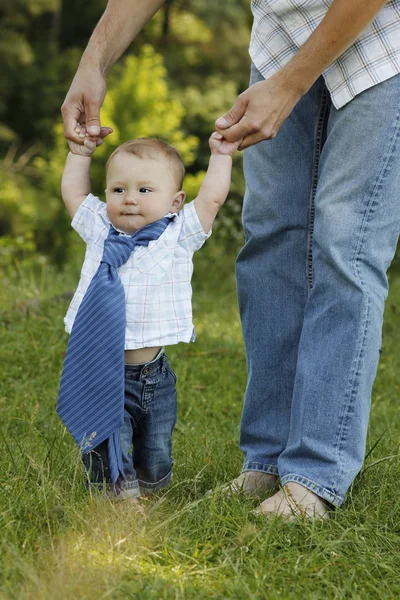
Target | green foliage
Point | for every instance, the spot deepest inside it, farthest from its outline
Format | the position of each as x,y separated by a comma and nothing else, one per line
17,209
16,249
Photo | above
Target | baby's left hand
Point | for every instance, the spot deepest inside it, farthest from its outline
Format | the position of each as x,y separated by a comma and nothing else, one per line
219,145
90,143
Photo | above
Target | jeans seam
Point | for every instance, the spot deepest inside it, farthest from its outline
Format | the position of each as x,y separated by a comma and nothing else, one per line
255,466
317,154
368,211
341,437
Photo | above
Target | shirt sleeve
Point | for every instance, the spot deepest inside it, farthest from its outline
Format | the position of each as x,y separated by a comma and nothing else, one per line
192,235
84,220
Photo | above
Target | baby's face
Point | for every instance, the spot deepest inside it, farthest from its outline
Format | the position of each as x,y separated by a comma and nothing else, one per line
140,191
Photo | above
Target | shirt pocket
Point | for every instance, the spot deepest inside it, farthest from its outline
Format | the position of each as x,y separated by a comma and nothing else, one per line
154,260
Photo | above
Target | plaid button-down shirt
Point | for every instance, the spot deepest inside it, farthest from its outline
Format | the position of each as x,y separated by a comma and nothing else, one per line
280,27
156,278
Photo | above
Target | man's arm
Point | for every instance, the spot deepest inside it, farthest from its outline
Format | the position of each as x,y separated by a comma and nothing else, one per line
122,20
261,109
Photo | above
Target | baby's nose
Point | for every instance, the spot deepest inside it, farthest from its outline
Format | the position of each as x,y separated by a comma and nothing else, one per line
131,200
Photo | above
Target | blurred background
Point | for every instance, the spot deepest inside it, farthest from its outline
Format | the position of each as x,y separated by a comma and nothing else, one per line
183,71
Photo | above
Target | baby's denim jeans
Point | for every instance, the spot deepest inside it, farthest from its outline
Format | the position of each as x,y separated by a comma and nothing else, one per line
149,418
322,219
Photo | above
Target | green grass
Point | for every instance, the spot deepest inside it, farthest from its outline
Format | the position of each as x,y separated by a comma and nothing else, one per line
59,543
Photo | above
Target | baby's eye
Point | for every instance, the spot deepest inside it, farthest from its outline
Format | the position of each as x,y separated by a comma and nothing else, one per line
144,190
118,190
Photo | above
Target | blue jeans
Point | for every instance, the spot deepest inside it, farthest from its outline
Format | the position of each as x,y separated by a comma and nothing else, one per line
149,418
322,219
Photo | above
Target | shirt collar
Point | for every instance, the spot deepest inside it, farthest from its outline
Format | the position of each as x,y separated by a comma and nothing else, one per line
172,215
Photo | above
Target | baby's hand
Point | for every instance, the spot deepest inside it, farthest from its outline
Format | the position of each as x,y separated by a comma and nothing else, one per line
90,143
219,145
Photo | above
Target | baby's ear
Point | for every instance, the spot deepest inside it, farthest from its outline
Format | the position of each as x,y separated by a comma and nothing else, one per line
179,200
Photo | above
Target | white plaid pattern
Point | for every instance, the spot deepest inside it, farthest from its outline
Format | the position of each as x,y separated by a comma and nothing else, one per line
156,278
280,27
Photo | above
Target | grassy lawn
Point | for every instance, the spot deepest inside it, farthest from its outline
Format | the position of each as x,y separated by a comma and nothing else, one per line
59,543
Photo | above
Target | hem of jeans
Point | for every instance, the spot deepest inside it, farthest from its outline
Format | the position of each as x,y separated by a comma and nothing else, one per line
152,487
318,489
261,467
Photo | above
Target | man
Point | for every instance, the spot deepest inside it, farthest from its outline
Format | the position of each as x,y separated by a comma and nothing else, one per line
321,217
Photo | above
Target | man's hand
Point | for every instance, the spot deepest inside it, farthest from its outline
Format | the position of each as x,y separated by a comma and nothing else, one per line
259,112
83,102
88,144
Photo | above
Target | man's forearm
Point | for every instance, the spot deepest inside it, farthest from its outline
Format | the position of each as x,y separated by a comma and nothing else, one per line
121,22
341,26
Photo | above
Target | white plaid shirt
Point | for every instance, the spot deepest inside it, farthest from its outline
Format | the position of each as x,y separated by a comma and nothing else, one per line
156,278
280,27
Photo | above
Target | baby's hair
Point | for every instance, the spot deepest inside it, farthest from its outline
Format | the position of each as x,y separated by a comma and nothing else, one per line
150,148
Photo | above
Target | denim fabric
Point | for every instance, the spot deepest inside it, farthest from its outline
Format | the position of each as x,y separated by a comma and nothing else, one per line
322,219
149,419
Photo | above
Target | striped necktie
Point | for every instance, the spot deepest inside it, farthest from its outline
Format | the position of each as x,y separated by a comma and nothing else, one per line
91,395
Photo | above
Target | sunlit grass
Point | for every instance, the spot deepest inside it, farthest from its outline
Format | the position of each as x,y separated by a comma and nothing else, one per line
59,543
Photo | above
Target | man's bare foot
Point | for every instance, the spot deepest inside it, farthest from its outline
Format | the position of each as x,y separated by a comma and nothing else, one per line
253,483
294,501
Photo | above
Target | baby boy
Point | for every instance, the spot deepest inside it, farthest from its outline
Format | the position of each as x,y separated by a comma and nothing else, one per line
123,414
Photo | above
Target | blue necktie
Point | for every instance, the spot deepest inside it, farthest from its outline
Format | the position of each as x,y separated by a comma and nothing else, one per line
91,395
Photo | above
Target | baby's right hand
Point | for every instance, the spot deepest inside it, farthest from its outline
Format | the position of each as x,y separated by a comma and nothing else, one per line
89,143
219,145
